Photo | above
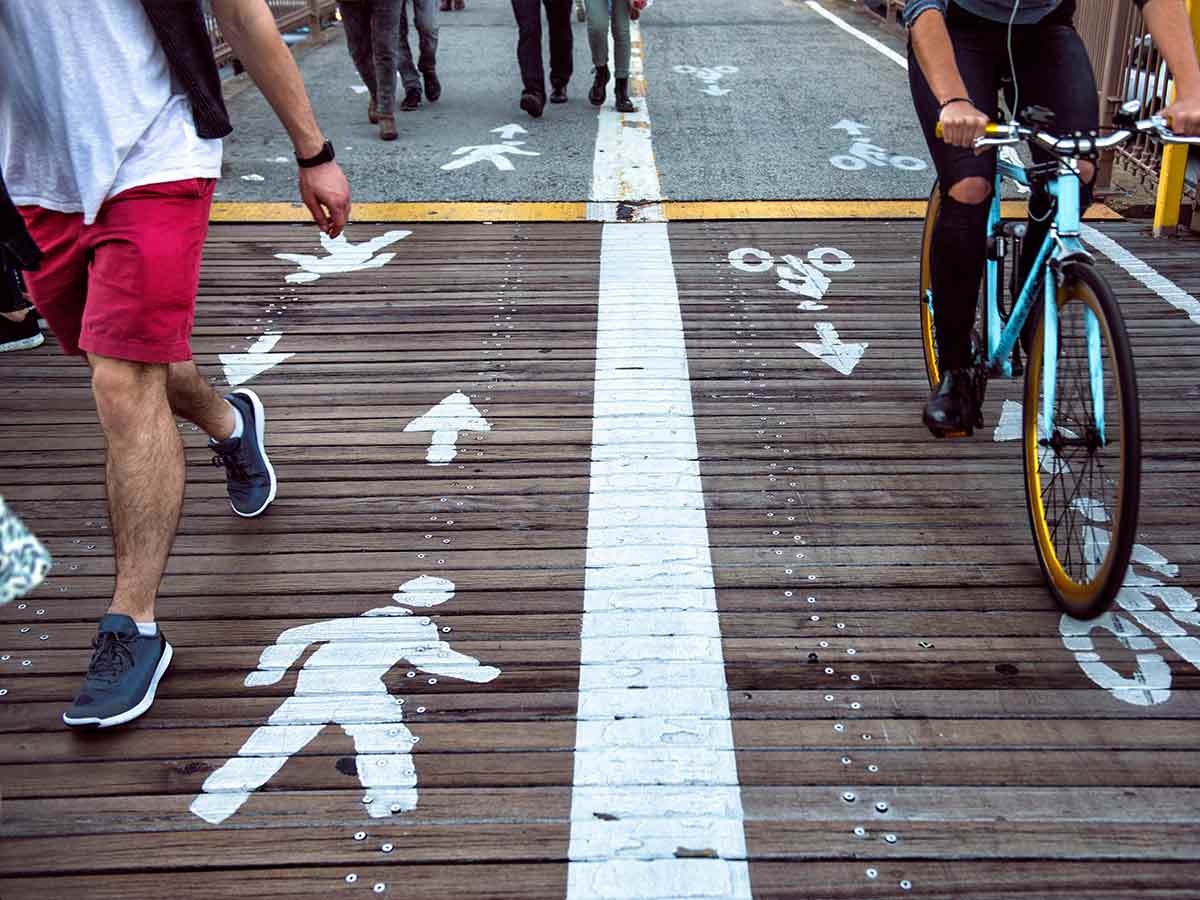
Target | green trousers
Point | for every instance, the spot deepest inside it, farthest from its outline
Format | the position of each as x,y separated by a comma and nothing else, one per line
598,26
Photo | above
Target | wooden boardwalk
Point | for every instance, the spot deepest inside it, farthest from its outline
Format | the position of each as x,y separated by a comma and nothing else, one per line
909,719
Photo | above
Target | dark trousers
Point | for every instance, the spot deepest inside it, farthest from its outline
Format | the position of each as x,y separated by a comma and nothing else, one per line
529,42
1052,70
373,33
424,17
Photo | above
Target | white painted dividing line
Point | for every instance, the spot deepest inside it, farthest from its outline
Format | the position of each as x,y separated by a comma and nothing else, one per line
623,166
861,35
1143,272
655,772
656,811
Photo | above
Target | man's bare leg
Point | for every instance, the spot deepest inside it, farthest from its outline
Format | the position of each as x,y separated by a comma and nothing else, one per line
194,399
144,476
250,477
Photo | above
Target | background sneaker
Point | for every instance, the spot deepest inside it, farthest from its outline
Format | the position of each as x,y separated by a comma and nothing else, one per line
122,677
23,335
248,472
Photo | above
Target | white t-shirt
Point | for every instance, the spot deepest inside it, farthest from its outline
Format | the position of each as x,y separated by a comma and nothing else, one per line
88,108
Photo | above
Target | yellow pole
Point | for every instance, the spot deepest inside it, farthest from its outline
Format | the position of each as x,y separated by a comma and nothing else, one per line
1174,161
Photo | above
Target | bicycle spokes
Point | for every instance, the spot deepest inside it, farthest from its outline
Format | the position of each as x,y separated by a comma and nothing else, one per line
1082,462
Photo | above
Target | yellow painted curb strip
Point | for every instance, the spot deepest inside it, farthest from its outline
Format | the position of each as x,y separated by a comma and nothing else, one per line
677,211
408,212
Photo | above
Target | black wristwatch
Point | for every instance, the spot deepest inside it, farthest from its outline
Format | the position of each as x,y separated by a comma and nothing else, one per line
326,155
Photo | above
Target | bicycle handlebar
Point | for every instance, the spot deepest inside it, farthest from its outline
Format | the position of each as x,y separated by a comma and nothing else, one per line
1006,135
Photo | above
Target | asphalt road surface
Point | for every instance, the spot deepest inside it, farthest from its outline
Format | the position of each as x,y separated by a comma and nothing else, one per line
742,101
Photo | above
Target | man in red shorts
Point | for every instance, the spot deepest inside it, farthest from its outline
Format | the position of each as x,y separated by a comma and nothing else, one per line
111,117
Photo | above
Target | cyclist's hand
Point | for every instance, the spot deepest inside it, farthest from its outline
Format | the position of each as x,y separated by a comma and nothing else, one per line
962,123
1183,116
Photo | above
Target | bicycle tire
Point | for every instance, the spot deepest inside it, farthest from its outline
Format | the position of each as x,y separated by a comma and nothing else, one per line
1083,565
925,287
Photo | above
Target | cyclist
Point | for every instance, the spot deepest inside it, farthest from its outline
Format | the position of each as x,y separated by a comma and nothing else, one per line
958,52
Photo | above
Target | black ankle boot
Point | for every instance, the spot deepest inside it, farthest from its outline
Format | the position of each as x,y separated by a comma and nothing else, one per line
953,408
621,95
599,86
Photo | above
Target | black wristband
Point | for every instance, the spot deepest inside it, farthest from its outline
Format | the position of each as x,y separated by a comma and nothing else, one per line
954,100
326,155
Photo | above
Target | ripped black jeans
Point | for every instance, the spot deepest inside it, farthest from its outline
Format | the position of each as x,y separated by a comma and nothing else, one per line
1052,70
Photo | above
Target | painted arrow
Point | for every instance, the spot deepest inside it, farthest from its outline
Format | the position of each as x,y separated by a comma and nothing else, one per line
241,367
713,91
453,415
831,350
508,132
851,127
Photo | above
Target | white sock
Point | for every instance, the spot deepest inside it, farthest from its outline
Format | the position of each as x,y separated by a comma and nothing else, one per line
238,424
147,629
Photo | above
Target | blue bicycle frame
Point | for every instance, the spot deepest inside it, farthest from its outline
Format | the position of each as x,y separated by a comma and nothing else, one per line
1062,243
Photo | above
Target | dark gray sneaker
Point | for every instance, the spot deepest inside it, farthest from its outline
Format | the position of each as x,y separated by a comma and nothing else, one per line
122,676
249,473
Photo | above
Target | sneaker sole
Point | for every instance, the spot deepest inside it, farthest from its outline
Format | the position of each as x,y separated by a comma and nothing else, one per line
24,343
143,705
260,424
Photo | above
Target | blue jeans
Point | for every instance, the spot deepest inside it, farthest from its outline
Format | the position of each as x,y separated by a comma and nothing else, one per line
372,34
424,15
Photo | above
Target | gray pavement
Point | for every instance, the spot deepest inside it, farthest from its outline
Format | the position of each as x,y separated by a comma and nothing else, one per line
764,131
771,137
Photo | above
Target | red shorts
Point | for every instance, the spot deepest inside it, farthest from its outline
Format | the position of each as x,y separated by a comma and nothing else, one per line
124,286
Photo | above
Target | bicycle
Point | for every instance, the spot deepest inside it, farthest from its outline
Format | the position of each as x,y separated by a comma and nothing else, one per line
1081,432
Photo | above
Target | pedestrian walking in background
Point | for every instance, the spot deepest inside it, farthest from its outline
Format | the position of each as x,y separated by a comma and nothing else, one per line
373,36
603,16
424,17
111,116
529,51
18,322
448,5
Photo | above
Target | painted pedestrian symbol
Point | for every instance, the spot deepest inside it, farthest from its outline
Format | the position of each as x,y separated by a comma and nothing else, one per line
343,256
863,153
497,154
709,75
342,684
241,367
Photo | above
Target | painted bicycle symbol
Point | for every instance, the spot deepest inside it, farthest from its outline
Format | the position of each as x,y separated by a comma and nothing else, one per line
710,75
863,153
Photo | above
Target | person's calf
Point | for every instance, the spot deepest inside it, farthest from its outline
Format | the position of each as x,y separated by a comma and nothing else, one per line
143,476
194,399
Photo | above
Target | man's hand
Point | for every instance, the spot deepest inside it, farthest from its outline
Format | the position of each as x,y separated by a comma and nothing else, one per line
962,123
1183,116
250,28
326,193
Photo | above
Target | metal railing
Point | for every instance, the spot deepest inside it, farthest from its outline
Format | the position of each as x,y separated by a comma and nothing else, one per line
1128,67
289,16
